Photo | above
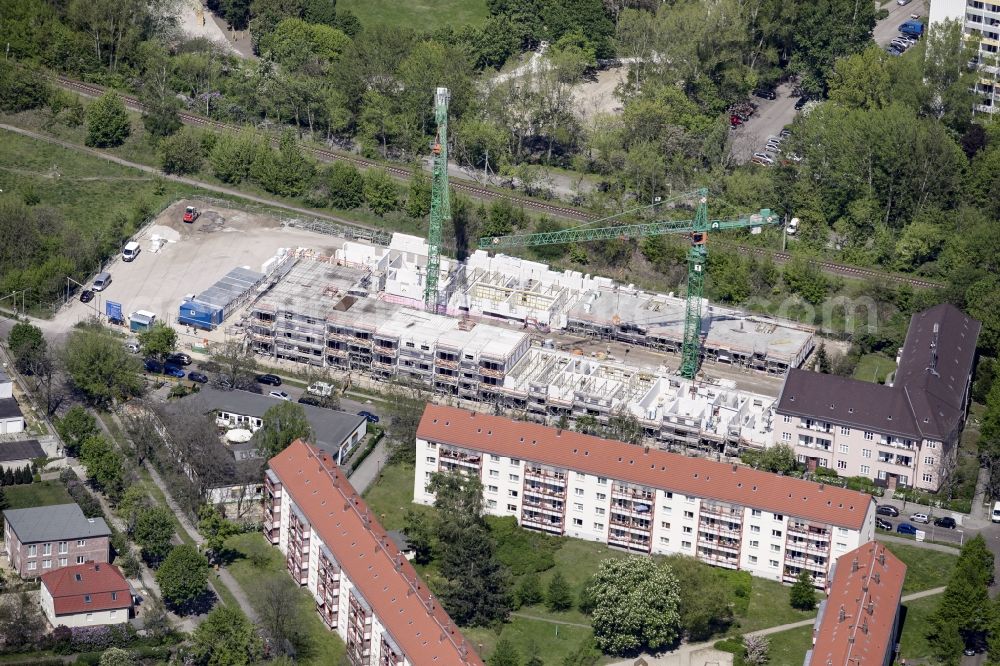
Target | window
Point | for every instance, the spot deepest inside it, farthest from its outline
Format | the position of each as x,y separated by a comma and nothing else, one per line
669,495
786,418
514,477
866,453
63,561
579,492
752,559
432,445
512,493
865,469
492,504
667,509
687,530
599,511
602,481
775,548
869,435
578,522
47,549
755,544
599,527
844,430
495,473
80,559
113,613
63,547
776,533
515,461
492,489
931,445
86,598
90,617
601,496
841,464
689,514
842,531
778,516
664,524
430,459
689,500
928,477
578,506
32,565
665,541
46,564
114,596
843,448
841,545
494,458
928,460
773,564
755,512
786,436
755,528
685,544
32,550
512,507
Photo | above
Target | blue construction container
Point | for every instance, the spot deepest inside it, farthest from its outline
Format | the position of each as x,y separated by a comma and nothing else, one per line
200,315
211,307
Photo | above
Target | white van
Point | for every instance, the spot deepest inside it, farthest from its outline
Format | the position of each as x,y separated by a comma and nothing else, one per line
102,281
995,516
322,389
130,251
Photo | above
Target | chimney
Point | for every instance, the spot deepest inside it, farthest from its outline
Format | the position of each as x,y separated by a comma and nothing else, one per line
842,615
854,565
881,558
876,577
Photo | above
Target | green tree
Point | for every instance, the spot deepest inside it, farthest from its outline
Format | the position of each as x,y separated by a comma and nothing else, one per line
862,80
706,598
22,87
100,367
227,638
346,186
825,31
233,156
806,280
380,191
108,123
529,590
419,533
281,425
823,359
558,597
504,654
215,528
115,656
154,530
803,593
636,605
158,340
75,427
27,345
105,465
418,197
287,172
181,153
779,458
183,576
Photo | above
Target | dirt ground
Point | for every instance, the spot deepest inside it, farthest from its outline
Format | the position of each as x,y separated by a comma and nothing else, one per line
194,257
593,97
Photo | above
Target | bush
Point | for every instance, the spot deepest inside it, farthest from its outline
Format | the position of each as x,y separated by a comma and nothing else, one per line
181,153
90,639
108,123
520,550
22,87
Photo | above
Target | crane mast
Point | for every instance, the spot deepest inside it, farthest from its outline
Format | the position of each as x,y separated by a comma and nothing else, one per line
440,204
697,257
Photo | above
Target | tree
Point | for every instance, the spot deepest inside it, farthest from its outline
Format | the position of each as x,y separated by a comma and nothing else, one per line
233,156
779,458
418,197
183,576
706,598
181,153
115,656
154,530
504,654
803,593
636,605
823,359
529,590
281,425
105,465
380,191
108,123
22,87
158,340
100,367
281,616
756,649
805,279
27,344
21,624
419,533
214,526
227,638
238,367
75,427
287,172
558,597
346,186
862,80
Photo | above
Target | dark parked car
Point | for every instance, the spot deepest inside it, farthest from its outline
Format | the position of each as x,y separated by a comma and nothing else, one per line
802,101
883,524
271,380
368,415
906,528
887,510
198,377
764,93
86,296
173,371
152,365
945,521
178,358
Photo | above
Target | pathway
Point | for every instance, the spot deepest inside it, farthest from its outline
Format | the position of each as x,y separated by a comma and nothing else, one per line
979,508
550,620
369,469
941,548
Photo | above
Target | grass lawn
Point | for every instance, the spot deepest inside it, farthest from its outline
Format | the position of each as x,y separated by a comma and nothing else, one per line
788,648
551,642
925,569
37,494
323,646
769,607
418,14
391,495
874,368
913,643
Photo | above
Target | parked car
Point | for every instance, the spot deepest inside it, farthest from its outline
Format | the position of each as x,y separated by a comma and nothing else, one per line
198,377
902,3
321,389
133,347
280,395
887,510
372,418
152,365
969,651
765,93
270,380
785,133
309,400
178,358
801,102
945,521
767,159
920,518
906,528
86,296
173,371
883,524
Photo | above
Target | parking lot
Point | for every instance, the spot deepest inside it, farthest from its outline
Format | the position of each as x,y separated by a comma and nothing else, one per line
194,257
771,116
888,28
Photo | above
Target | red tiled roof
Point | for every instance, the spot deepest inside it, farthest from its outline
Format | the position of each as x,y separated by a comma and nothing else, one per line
867,586
673,472
69,586
367,555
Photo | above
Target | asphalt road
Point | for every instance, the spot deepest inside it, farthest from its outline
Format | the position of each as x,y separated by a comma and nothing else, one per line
771,116
888,28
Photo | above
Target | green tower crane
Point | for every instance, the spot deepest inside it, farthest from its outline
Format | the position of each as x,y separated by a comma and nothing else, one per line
698,229
440,204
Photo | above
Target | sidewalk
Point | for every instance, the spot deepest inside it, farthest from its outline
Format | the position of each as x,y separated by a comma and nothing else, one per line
886,538
369,469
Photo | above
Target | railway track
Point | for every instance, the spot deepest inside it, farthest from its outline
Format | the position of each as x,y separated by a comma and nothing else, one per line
565,212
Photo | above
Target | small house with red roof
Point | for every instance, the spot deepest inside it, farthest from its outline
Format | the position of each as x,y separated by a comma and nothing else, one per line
85,595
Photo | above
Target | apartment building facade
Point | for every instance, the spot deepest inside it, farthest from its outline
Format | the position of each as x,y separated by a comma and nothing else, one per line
364,587
644,500
44,538
903,434
980,21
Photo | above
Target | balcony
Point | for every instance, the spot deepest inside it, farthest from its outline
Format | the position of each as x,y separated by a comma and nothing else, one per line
461,457
722,511
640,509
539,522
809,530
807,562
644,526
544,489
632,493
548,476
549,507
720,528
718,559
822,548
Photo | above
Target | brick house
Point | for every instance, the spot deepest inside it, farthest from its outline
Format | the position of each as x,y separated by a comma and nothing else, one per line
42,538
85,595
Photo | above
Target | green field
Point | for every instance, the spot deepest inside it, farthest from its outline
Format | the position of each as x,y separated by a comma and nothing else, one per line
925,569
36,494
418,14
916,615
874,368
788,648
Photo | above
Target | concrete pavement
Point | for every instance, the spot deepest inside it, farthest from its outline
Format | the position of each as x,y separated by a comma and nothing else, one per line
888,28
367,473
770,118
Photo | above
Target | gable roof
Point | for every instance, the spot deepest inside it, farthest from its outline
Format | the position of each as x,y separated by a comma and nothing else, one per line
23,450
69,587
366,553
655,468
54,523
856,620
331,428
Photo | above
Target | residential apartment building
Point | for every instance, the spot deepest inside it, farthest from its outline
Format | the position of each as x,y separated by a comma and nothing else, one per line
903,434
644,500
858,622
364,587
43,538
86,595
980,21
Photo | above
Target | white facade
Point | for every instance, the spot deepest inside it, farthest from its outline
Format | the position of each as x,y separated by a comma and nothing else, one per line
980,21
11,425
643,518
115,616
